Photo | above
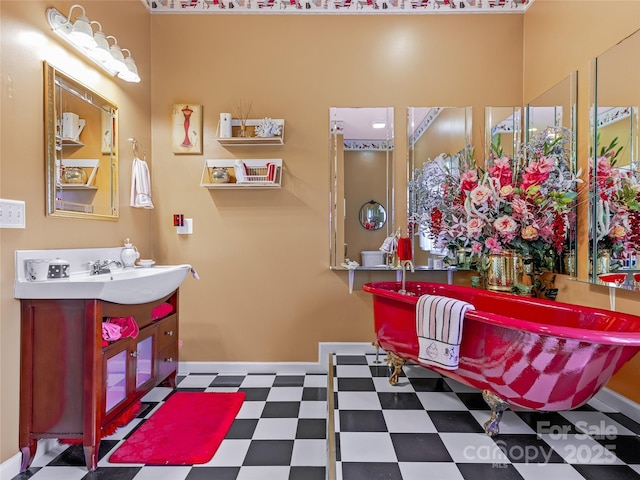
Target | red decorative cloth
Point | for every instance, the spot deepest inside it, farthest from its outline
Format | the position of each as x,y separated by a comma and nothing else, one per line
128,326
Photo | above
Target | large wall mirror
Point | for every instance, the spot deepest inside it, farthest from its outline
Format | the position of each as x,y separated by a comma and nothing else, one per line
441,137
615,169
362,210
553,114
81,149
503,126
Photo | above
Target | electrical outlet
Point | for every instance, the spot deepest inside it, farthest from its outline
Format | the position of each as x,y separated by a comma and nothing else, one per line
12,213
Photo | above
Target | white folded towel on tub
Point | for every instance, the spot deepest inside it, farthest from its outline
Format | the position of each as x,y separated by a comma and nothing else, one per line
439,327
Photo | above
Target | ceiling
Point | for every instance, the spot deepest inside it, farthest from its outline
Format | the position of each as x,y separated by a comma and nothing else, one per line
337,6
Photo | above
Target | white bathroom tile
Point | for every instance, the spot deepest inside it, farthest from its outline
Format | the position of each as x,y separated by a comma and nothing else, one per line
437,470
382,385
315,381
253,381
196,381
251,409
358,401
473,448
285,394
230,453
309,452
313,409
276,428
157,394
263,473
547,471
162,473
366,447
510,422
441,401
353,371
408,421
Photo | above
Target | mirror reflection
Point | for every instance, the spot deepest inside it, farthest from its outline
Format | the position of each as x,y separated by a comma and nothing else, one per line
373,216
554,112
441,135
81,132
614,170
503,125
361,159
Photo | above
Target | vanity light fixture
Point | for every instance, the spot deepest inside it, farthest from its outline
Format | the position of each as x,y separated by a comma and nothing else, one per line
131,73
101,51
379,124
94,46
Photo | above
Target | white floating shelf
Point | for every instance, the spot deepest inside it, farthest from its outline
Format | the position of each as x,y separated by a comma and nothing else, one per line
251,140
256,179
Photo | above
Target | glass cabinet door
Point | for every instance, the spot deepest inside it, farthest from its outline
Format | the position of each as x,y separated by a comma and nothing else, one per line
144,361
116,388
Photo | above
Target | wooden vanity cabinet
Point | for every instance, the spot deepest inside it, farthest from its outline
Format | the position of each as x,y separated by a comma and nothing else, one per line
71,387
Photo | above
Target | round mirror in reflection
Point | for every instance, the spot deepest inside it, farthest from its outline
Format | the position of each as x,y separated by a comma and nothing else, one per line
372,215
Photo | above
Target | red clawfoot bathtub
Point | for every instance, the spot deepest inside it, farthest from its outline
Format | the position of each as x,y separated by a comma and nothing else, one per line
523,352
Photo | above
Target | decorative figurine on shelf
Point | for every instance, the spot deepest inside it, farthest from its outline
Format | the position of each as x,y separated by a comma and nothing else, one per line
267,128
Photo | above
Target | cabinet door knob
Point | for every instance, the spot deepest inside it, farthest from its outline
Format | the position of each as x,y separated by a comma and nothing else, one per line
170,359
134,354
169,332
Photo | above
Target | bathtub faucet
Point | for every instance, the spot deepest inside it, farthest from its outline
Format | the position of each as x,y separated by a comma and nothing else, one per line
403,265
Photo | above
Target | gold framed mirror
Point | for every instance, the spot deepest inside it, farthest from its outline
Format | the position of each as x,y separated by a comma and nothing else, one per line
81,132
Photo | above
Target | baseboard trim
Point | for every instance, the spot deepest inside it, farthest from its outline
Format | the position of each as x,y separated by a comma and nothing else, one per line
321,366
10,467
621,403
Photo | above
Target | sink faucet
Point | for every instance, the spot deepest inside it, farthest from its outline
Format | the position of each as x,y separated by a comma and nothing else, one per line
102,266
403,265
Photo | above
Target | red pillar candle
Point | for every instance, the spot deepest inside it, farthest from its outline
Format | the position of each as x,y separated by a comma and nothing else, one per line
404,249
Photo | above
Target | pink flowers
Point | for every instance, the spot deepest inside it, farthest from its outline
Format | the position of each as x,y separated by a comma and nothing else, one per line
522,203
537,173
505,225
480,195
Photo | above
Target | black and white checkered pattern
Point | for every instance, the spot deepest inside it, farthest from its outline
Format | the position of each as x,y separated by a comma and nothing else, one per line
280,433
428,426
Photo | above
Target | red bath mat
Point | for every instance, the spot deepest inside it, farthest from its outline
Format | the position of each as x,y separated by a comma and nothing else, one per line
187,429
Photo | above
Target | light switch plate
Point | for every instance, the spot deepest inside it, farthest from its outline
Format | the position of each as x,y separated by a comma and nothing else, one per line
187,228
12,213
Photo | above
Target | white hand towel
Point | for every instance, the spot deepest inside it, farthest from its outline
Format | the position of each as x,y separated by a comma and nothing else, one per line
140,184
439,327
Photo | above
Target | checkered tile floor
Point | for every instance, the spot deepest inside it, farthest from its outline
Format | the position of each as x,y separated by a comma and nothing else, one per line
428,426
280,433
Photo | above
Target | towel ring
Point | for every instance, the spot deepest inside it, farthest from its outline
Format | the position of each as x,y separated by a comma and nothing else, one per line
136,147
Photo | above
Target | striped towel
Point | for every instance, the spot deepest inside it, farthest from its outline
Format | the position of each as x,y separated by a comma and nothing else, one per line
439,328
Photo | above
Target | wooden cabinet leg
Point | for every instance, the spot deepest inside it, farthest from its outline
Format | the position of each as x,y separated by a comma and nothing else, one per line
172,380
91,456
28,453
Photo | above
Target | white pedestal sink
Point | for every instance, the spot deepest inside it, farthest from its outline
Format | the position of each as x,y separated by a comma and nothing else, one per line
134,285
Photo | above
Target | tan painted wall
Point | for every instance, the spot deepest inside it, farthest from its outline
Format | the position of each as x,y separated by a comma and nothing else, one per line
265,293
27,40
263,255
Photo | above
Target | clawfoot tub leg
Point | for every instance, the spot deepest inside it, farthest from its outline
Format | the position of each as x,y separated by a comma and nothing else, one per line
396,362
497,405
